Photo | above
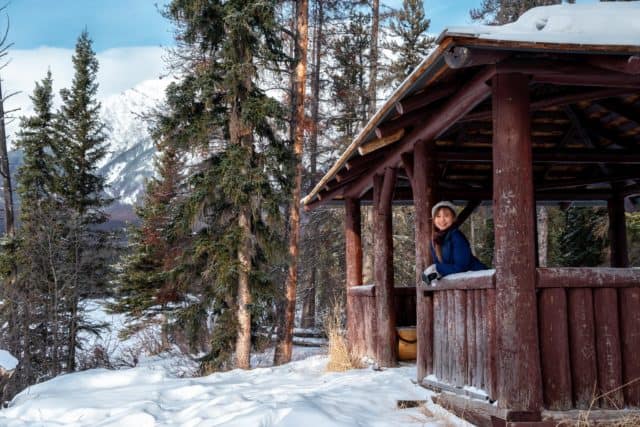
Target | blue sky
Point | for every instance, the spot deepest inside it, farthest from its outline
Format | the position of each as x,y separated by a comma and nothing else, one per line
123,23
111,23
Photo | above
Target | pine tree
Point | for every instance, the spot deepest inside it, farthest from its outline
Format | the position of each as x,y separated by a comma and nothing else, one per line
81,138
580,244
34,307
145,285
409,40
236,194
349,82
79,145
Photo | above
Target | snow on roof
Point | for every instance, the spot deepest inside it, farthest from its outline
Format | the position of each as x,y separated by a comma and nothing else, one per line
608,23
7,361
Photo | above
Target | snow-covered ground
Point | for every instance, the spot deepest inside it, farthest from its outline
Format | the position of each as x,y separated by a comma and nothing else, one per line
161,391
298,394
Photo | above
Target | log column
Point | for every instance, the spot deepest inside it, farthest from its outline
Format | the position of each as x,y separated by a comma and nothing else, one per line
386,345
629,299
353,260
423,183
519,378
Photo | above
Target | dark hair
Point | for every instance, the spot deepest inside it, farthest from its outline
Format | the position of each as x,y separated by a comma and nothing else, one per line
437,236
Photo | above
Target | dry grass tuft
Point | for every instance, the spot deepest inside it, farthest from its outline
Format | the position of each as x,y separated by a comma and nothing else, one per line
340,358
585,418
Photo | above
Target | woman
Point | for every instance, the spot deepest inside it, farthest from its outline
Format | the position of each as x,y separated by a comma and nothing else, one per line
449,247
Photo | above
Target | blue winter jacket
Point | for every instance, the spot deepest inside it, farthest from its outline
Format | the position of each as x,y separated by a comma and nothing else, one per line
456,255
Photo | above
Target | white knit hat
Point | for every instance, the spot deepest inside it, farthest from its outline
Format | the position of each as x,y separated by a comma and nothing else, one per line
443,204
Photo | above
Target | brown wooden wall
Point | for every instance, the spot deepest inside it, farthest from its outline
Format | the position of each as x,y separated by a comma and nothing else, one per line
589,336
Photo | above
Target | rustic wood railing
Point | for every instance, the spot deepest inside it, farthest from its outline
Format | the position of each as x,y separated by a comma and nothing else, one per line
464,331
588,328
363,304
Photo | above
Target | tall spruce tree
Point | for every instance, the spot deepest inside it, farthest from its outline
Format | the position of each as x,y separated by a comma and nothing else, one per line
580,244
39,329
236,194
79,145
145,286
408,27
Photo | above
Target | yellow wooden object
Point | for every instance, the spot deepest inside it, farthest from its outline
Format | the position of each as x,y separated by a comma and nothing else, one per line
407,342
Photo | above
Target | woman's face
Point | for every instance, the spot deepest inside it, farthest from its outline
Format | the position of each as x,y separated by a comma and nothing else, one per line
444,218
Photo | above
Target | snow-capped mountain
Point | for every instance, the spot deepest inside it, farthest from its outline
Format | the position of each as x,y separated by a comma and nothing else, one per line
130,149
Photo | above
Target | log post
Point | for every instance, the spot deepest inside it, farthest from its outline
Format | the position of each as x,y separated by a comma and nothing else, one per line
423,185
519,378
386,345
629,299
353,261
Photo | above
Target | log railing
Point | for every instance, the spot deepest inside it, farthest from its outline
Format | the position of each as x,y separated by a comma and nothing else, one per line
464,331
363,306
588,328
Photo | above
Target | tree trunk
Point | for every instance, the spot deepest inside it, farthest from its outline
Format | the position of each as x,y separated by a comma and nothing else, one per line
373,58
9,227
543,236
243,340
285,338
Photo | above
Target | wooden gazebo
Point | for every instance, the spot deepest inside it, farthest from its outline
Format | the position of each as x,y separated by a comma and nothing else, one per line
516,119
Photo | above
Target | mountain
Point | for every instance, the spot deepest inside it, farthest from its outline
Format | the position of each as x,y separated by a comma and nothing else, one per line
129,161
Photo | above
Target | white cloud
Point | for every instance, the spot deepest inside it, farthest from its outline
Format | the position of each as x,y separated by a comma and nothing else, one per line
120,69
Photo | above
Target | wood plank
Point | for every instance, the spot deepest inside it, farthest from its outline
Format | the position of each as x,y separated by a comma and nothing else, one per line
460,343
630,336
584,372
491,373
437,336
520,383
605,303
472,348
481,340
581,277
451,337
386,346
554,349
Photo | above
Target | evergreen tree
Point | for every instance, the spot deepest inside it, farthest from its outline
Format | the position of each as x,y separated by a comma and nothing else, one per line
36,304
81,136
349,81
36,141
580,244
79,145
409,40
144,284
232,212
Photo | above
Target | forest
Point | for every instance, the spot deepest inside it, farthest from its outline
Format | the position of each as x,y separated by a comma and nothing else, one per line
223,261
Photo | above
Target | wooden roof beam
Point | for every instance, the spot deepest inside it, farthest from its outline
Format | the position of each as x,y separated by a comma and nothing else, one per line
424,98
555,101
376,144
462,57
467,97
622,64
581,182
618,157
578,74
